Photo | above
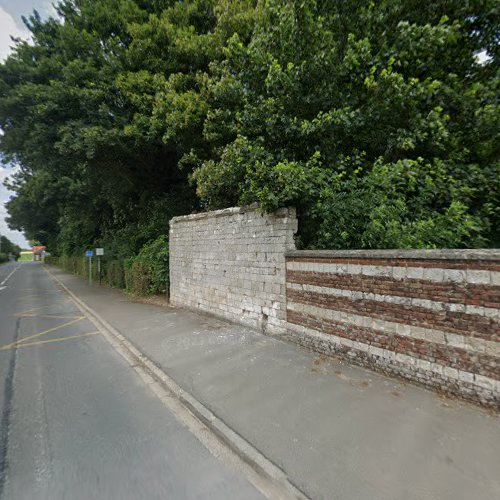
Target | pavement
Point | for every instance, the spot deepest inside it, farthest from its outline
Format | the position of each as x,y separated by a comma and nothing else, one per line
77,422
337,431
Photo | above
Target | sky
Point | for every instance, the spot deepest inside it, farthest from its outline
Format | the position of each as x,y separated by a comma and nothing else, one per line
12,24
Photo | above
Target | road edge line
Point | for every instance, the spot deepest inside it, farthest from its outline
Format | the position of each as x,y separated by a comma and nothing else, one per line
4,282
272,482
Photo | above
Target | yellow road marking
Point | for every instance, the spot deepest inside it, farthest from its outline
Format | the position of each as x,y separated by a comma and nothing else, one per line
47,316
38,290
39,342
8,346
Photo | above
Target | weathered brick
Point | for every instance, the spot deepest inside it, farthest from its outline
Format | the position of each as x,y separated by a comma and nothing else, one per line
435,322
431,317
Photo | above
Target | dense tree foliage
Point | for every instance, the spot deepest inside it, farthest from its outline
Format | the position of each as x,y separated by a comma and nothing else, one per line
7,248
374,118
379,120
72,108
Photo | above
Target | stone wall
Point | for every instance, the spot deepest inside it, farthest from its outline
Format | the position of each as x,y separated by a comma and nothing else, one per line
429,316
231,263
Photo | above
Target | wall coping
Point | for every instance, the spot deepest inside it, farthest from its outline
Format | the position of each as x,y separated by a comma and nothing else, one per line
441,254
227,212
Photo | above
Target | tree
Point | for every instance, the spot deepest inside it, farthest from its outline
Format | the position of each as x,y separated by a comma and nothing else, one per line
119,110
68,105
8,248
324,91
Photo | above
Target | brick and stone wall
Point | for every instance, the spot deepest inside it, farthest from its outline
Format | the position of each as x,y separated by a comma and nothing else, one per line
231,263
429,316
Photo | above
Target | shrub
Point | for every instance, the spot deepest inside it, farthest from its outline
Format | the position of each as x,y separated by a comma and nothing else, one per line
407,204
137,277
51,260
147,274
114,273
144,274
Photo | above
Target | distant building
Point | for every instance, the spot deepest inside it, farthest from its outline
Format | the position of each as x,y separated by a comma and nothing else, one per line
38,252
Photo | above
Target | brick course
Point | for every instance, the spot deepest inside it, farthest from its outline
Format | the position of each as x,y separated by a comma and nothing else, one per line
466,293
474,325
432,320
462,359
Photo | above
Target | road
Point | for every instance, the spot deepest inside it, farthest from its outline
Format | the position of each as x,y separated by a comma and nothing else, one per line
77,422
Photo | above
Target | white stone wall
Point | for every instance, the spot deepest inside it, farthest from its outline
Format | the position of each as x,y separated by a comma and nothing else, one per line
231,263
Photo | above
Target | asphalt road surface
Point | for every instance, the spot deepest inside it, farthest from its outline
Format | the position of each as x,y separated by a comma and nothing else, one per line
76,420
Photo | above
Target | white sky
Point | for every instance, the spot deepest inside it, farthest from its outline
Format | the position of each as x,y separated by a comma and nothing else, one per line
8,27
14,236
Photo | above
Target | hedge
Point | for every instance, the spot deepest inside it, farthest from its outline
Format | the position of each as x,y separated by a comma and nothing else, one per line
144,274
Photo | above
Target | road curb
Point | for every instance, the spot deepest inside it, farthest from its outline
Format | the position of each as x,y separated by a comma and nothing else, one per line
272,482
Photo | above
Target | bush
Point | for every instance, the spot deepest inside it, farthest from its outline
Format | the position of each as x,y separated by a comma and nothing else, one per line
51,260
74,264
407,204
137,277
114,273
147,274
3,257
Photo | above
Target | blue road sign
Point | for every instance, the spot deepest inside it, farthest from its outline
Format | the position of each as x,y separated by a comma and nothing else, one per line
89,253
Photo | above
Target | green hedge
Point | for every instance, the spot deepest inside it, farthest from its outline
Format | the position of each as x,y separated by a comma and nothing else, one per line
114,273
144,274
147,273
3,257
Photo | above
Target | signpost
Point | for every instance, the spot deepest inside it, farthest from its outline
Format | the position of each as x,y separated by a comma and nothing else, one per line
99,252
89,254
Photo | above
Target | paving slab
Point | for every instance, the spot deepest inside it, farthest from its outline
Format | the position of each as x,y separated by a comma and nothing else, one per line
338,431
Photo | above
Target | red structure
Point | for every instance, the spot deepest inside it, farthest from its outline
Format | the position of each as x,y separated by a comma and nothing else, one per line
38,252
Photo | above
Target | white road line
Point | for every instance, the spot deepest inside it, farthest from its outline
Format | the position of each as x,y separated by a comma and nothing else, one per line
8,277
